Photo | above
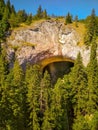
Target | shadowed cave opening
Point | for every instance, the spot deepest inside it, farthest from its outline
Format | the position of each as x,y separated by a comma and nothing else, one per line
58,69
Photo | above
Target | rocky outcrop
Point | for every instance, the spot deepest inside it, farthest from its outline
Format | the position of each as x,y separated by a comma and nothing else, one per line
47,39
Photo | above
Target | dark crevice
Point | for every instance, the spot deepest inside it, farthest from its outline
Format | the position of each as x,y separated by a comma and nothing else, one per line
58,69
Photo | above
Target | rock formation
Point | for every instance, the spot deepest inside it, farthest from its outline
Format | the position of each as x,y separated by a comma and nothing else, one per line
43,40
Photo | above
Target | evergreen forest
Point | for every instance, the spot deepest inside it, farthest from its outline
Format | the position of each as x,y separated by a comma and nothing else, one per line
29,100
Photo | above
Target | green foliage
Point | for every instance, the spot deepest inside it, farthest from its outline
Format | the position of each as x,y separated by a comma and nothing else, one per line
94,123
76,21
92,74
92,28
45,14
45,101
29,19
2,6
12,99
41,13
78,86
21,16
68,18
29,100
81,123
33,77
13,20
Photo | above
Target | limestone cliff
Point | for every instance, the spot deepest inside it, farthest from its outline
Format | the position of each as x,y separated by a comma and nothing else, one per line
43,40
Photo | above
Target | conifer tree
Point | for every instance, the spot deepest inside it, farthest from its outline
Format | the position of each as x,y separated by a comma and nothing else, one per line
33,78
21,16
8,5
45,101
59,113
76,21
39,12
2,6
3,74
29,19
92,28
13,9
68,97
78,80
94,123
92,74
81,123
45,14
68,18
13,20
12,99
78,84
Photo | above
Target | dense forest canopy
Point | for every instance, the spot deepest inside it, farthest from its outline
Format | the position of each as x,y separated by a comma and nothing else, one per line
29,100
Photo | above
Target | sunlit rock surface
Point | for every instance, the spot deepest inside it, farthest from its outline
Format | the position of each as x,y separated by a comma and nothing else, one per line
44,40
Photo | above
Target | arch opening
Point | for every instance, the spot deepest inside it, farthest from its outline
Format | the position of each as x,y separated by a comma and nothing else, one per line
58,69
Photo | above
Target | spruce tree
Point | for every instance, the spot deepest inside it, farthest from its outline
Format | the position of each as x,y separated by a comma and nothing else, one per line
29,19
39,14
45,14
68,18
21,16
79,83
13,20
92,28
59,107
12,99
3,75
45,101
92,74
33,78
8,5
2,6
76,21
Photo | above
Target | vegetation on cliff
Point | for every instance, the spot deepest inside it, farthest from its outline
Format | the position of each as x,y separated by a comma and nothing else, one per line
29,100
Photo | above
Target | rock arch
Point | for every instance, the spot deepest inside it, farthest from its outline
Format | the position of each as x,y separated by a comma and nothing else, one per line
53,59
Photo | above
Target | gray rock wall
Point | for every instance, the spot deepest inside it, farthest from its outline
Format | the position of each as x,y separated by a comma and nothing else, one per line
47,39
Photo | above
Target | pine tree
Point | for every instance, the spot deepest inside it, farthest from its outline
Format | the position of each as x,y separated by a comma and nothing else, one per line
3,75
13,20
92,74
39,14
68,18
12,99
5,20
78,83
59,107
21,16
45,14
78,80
2,6
45,101
81,123
13,9
8,5
33,78
68,97
94,123
92,28
29,19
76,21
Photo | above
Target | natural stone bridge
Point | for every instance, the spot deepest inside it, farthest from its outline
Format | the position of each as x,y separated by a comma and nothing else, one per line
46,42
57,66
54,59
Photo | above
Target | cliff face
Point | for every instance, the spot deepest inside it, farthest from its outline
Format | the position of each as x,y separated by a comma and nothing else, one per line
43,40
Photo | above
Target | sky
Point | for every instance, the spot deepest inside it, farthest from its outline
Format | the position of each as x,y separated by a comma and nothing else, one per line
82,8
